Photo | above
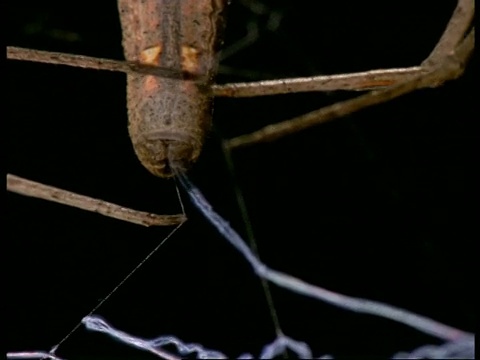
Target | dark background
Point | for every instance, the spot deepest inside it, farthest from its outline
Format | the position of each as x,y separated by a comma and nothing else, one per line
375,205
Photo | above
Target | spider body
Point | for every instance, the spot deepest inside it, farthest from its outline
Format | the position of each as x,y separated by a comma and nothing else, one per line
168,118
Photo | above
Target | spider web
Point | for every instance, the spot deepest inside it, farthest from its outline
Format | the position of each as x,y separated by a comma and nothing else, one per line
462,348
459,345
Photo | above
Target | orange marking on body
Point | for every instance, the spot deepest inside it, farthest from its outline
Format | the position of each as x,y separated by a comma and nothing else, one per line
151,56
150,84
190,59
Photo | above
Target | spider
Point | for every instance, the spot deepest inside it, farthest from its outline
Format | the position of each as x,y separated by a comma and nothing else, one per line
445,63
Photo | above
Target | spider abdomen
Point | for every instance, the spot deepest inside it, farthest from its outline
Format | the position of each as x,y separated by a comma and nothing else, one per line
168,118
167,127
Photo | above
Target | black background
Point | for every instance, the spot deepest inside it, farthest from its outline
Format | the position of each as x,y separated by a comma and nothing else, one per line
375,205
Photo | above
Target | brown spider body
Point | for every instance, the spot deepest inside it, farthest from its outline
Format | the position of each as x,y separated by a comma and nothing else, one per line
168,118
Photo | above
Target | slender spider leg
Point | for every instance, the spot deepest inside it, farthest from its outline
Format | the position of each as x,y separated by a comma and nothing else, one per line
355,81
359,81
444,64
34,189
88,62
451,69
454,33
